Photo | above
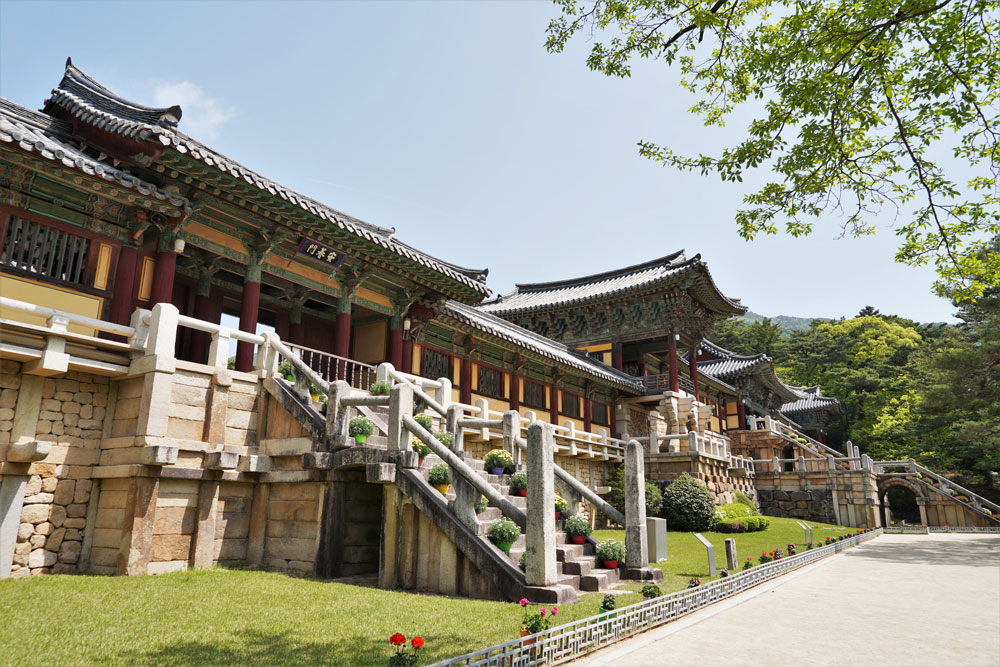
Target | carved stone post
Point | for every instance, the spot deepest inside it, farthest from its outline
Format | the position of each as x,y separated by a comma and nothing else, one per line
540,550
636,556
400,404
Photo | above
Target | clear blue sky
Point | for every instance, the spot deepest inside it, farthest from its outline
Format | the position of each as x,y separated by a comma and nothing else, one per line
451,123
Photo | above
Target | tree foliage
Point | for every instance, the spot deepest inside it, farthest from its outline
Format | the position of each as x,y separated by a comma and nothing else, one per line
688,505
857,105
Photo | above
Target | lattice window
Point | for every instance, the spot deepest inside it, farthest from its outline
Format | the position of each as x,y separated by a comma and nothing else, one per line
434,364
534,395
491,382
571,405
44,251
599,414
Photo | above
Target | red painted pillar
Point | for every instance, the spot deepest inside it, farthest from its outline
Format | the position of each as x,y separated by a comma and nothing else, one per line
553,405
407,356
163,277
296,332
204,309
675,384
248,322
616,356
396,344
124,289
342,337
693,365
743,414
465,381
515,392
588,413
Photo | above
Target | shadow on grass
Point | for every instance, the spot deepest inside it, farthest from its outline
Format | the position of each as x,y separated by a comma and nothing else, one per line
254,647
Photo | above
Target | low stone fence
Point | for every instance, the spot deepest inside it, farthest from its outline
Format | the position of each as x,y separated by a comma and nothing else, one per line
924,530
568,642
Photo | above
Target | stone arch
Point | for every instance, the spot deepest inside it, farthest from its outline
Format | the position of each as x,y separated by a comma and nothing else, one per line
899,482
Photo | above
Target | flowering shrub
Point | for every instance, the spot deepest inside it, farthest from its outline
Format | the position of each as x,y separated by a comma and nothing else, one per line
611,550
777,554
748,563
650,591
723,572
439,474
402,657
380,388
609,602
425,421
420,448
498,458
502,531
518,482
809,546
765,557
577,526
536,621
694,582
360,426
446,439
791,550
829,540
560,504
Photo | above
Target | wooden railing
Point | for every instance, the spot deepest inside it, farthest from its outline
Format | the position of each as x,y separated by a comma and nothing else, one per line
330,367
659,383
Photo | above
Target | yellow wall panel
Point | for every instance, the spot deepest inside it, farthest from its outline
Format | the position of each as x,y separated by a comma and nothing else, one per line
50,297
103,266
369,342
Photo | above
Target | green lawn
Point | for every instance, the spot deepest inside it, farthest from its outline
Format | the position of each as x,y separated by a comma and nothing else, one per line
251,617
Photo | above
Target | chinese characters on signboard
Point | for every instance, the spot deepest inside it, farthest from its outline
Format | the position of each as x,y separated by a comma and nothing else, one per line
320,252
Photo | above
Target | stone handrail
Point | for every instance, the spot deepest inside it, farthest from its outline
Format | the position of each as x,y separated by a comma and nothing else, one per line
581,488
68,318
913,467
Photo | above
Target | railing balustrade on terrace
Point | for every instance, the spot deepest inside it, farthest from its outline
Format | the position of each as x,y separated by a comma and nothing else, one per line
330,367
660,382
828,464
939,483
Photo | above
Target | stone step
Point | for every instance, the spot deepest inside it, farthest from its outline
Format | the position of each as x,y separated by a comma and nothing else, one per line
598,579
578,567
558,594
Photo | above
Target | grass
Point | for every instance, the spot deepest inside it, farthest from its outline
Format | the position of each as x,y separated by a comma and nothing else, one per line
252,617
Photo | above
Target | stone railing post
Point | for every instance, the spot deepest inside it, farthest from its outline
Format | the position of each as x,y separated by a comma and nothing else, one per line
443,393
383,372
831,464
336,415
802,464
400,404
775,465
268,357
511,429
452,415
636,548
540,539
692,441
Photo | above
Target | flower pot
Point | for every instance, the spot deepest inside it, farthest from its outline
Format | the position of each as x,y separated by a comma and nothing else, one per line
314,397
523,493
558,514
443,488
505,546
579,539
496,471
420,461
526,642
611,564
360,439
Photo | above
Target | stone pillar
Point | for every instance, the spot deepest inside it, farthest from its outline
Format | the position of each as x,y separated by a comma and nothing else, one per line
396,342
921,505
511,429
693,366
11,502
732,560
540,539
675,385
617,360
342,335
124,288
465,380
636,556
400,404
203,551
249,309
137,536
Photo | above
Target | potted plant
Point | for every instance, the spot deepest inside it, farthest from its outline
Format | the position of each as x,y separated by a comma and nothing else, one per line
285,371
523,562
439,477
421,449
766,557
402,658
314,393
694,582
360,428
481,505
577,528
611,553
503,532
446,439
425,421
608,604
519,484
791,550
748,563
561,506
535,621
497,461
723,573
380,388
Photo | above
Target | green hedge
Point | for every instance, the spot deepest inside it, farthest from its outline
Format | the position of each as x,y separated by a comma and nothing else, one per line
687,505
749,524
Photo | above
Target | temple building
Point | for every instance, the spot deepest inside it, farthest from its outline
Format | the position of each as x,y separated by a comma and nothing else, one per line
134,439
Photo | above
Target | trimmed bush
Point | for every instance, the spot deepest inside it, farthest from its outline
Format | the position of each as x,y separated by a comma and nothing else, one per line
744,500
651,591
439,474
425,421
687,505
577,526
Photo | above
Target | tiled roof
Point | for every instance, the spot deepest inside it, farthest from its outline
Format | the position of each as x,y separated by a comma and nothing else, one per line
94,104
731,366
546,347
811,399
544,296
50,138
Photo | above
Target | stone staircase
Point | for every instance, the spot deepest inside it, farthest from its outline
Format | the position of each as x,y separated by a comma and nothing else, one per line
577,568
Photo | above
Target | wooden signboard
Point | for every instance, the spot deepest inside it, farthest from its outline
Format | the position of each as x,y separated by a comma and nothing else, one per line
320,252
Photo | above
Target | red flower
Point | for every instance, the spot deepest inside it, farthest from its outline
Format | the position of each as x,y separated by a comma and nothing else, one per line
397,639
417,642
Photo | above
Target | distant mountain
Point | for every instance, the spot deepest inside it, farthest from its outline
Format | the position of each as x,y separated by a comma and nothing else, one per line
787,322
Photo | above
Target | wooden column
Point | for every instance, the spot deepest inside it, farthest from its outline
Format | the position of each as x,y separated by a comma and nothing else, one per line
396,343
249,309
124,288
465,380
675,385
204,309
693,365
515,391
616,356
742,413
166,268
407,358
342,336
295,328
553,404
588,413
